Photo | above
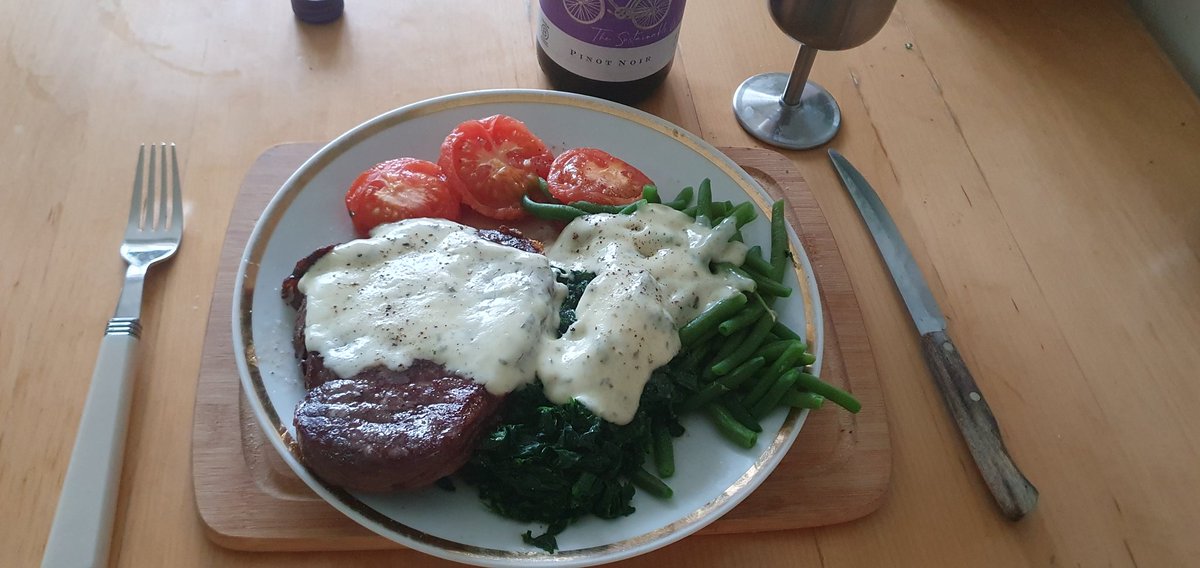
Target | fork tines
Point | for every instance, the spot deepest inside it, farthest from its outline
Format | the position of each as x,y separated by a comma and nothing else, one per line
148,211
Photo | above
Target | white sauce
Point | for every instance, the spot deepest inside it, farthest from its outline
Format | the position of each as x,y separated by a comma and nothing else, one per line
432,289
623,332
668,244
652,277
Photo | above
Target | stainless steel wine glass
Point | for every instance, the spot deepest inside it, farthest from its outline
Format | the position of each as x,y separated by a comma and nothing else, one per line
788,110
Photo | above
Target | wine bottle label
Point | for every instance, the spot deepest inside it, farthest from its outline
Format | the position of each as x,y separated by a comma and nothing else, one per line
610,40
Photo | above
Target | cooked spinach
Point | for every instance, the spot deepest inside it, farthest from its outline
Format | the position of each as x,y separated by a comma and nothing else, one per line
576,282
554,464
544,541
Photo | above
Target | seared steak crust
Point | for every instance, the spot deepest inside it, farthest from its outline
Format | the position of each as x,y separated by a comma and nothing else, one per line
291,294
393,430
511,237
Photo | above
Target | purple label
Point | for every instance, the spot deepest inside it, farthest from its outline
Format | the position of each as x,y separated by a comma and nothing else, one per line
615,23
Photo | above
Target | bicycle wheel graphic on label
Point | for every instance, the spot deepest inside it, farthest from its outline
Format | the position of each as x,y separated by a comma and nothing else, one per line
646,14
585,11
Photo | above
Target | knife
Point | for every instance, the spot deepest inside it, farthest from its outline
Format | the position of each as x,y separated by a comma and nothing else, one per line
1015,495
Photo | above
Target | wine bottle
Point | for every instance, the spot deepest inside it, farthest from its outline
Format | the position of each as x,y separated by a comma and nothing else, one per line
619,50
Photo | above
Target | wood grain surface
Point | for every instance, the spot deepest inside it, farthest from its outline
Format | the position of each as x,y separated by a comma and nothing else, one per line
248,498
1039,156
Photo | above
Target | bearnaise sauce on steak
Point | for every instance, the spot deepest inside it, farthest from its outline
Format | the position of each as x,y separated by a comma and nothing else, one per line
432,289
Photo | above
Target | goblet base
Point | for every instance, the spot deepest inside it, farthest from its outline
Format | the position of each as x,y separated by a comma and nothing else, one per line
758,105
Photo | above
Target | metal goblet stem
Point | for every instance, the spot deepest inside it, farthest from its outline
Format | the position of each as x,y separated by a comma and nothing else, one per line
799,76
788,111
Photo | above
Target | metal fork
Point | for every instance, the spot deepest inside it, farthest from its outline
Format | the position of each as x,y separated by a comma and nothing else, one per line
83,524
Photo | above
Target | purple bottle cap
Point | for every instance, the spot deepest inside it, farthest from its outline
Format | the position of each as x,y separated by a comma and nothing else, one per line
318,11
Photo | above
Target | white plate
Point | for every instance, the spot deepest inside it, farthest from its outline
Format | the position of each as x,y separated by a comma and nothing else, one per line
308,213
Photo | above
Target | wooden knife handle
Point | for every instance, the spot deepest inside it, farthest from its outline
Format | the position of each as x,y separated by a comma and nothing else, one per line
1015,495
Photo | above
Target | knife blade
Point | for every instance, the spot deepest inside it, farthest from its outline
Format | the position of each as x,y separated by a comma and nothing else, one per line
1012,491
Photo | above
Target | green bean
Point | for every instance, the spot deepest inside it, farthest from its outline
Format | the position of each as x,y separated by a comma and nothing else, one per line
682,200
722,266
768,285
650,194
763,302
754,261
633,207
730,427
785,361
710,318
774,349
762,284
651,484
709,393
739,413
725,384
690,211
736,238
696,356
590,207
664,452
727,347
785,332
797,399
811,383
552,211
748,347
704,338
544,191
808,359
738,376
704,201
771,399
744,213
779,241
720,209
744,318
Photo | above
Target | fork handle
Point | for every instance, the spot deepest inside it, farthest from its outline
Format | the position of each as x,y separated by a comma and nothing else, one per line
83,524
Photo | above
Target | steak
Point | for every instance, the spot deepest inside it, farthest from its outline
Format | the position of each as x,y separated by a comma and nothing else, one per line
392,430
383,429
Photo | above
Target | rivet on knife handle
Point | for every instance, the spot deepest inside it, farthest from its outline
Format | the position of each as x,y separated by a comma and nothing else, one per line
1015,495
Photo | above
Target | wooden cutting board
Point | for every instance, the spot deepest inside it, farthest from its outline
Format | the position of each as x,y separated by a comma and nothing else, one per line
838,470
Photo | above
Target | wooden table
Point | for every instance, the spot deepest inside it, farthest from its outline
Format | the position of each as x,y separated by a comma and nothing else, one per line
1042,159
